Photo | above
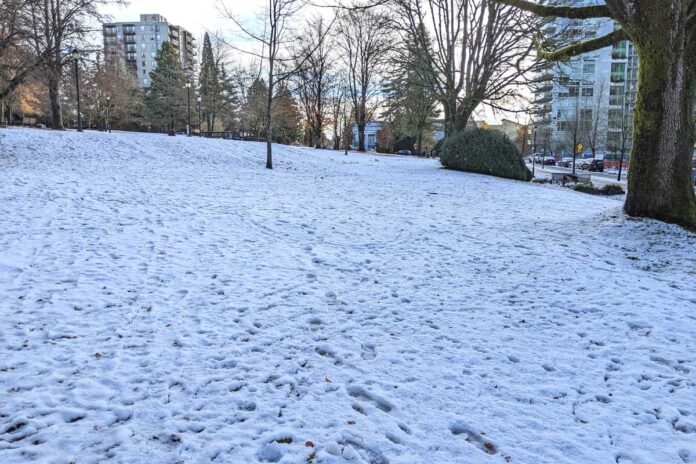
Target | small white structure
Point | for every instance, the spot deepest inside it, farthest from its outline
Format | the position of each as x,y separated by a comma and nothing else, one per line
372,128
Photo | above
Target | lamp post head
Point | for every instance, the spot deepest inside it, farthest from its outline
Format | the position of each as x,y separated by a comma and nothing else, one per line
199,99
75,54
188,84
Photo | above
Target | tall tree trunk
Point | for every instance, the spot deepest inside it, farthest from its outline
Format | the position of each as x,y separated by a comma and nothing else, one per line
659,179
317,138
54,97
463,115
269,120
361,136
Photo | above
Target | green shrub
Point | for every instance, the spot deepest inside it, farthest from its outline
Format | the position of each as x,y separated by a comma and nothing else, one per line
484,152
609,189
585,187
612,189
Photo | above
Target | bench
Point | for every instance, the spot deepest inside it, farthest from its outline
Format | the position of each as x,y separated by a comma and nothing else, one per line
563,177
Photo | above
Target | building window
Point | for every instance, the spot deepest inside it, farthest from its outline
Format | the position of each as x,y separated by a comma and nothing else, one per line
146,82
618,72
588,68
587,91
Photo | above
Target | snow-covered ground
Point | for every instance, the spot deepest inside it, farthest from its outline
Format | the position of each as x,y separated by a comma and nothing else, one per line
170,300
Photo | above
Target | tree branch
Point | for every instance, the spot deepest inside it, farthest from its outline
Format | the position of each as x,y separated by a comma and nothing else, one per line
571,12
579,48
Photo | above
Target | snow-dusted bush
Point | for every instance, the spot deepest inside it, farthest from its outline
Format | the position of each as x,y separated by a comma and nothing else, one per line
484,152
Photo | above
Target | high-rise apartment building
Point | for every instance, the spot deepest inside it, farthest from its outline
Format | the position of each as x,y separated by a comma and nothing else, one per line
588,100
137,43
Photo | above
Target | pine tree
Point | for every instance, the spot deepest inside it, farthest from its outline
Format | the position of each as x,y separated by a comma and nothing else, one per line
287,119
165,100
411,103
255,114
209,83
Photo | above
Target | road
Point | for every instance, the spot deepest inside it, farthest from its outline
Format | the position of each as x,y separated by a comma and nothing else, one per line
599,178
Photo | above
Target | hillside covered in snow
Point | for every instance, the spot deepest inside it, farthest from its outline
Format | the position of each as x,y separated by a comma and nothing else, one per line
169,300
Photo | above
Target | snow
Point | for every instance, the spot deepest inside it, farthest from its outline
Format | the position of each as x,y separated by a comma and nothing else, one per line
170,300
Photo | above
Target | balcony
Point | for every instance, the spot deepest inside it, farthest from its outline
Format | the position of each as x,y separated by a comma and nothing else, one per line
110,30
618,78
543,98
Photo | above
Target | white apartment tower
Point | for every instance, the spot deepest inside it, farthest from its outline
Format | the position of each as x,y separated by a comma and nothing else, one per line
588,100
137,43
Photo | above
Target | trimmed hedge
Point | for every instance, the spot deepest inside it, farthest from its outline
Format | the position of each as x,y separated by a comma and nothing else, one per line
485,152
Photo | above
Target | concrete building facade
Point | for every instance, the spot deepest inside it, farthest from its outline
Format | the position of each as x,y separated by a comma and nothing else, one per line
137,44
589,100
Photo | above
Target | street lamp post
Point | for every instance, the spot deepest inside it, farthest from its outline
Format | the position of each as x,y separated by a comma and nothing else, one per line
188,96
200,121
108,119
76,59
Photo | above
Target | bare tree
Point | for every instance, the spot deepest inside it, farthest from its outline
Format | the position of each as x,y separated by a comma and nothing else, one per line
481,53
58,26
17,57
365,42
596,127
574,120
337,101
274,39
314,78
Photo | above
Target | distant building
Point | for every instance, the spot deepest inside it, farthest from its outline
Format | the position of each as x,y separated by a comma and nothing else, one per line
137,44
595,91
372,129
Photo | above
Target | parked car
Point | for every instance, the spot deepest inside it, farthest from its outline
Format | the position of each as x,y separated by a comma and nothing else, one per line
549,161
565,163
596,165
403,152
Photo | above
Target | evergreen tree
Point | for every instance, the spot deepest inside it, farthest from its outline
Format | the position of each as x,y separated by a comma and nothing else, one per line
411,101
254,111
209,84
287,120
165,100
